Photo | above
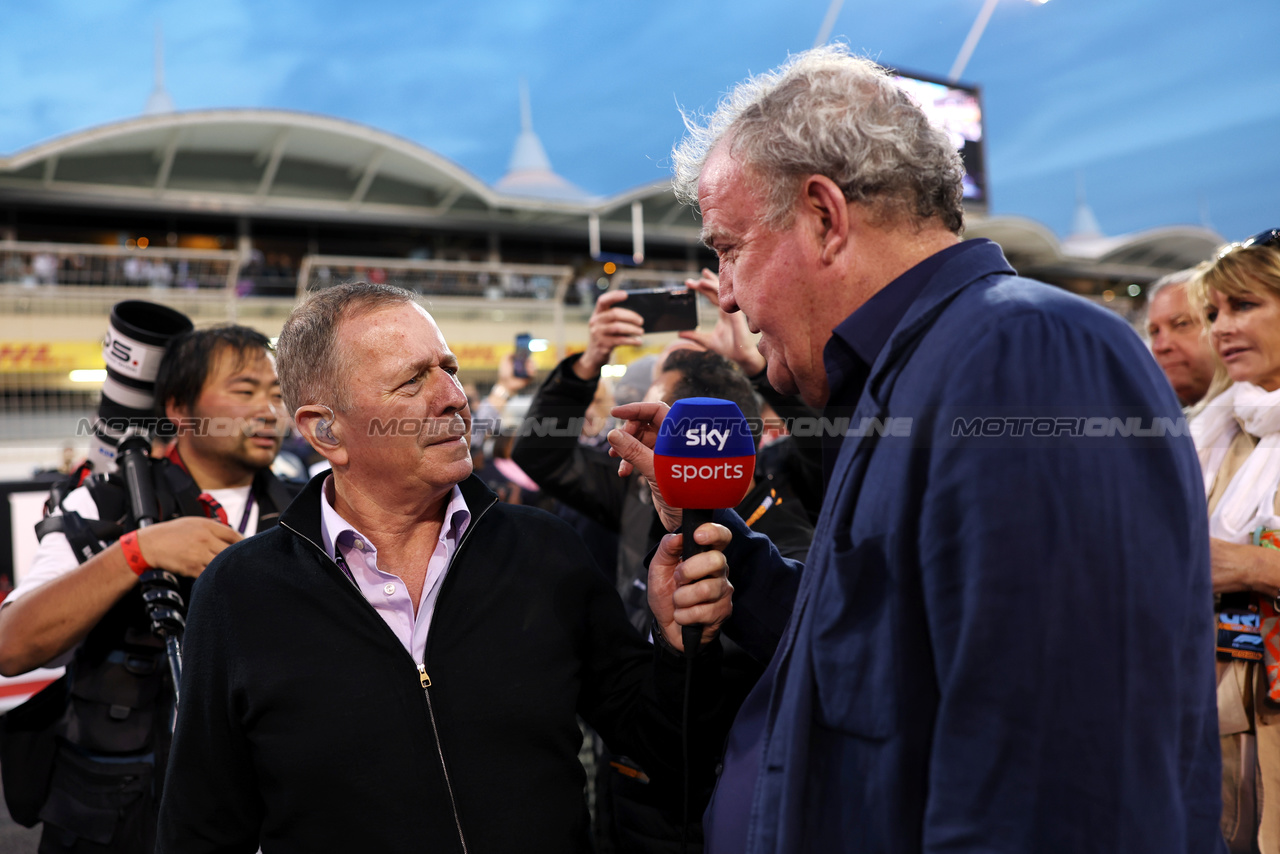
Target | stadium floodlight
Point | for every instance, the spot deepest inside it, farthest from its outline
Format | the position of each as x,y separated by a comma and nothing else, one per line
975,33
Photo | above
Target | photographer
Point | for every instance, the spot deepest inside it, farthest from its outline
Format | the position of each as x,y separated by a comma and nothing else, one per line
219,387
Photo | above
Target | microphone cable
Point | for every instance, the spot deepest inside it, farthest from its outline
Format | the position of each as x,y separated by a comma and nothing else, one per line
690,651
691,638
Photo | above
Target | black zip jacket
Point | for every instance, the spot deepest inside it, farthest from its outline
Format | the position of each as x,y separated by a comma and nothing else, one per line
305,726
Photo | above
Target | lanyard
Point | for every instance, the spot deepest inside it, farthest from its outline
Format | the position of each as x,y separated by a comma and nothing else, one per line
215,510
248,507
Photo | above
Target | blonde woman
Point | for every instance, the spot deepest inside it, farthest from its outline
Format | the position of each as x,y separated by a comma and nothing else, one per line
1238,439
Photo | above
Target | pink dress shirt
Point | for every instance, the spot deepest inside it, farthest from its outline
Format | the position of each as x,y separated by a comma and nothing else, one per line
385,591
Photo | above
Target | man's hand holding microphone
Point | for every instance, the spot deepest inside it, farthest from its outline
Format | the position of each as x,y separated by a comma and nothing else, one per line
704,460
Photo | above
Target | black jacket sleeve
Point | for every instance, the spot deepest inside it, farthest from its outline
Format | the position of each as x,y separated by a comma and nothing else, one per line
772,508
584,478
211,801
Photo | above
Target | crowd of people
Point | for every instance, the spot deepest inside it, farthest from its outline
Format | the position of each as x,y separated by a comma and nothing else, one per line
916,635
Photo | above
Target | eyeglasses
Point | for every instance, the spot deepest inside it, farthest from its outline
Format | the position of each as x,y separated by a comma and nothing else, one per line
1270,237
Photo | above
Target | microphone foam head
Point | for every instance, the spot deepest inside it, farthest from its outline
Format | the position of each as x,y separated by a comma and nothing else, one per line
705,455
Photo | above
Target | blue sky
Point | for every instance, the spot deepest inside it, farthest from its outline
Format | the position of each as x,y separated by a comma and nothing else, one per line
1167,110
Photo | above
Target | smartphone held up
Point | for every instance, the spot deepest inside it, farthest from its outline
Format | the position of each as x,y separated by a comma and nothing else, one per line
664,310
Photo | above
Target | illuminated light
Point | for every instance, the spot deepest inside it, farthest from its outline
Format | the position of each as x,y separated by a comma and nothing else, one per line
1134,290
1108,296
602,283
610,268
613,371
88,376
131,244
537,345
143,243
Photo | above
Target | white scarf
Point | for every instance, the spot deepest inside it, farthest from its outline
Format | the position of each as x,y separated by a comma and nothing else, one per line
1249,500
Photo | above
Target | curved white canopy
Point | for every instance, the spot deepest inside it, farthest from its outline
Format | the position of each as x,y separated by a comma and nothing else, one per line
260,161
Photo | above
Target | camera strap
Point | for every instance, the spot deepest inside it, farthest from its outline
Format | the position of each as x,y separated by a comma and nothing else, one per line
83,535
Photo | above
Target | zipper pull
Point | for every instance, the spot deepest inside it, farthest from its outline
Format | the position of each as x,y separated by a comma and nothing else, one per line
423,677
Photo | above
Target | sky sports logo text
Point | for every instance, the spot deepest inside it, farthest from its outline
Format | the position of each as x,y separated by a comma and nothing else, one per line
701,435
708,471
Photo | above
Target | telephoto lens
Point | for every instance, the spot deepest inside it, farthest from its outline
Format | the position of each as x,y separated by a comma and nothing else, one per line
136,337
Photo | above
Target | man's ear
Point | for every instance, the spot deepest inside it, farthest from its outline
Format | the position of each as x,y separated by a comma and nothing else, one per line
178,415
317,425
824,202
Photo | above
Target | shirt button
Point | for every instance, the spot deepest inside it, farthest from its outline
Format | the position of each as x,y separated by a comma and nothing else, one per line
389,589
359,544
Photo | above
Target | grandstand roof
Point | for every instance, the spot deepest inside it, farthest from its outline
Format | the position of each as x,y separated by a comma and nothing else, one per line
299,165
1139,257
268,162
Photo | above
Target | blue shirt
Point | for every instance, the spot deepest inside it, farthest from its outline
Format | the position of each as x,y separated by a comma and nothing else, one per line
970,659
854,346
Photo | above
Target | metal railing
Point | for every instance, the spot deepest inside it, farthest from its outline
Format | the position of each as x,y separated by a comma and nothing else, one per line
491,281
212,285
87,279
42,264
455,288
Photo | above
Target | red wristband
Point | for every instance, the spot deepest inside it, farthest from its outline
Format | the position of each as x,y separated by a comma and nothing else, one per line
133,554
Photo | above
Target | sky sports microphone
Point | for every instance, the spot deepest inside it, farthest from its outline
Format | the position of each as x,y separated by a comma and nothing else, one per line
704,459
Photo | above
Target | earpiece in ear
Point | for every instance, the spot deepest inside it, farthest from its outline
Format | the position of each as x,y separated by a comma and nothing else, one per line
324,434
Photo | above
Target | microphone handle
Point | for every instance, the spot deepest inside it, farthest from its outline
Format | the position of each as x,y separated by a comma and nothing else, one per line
693,519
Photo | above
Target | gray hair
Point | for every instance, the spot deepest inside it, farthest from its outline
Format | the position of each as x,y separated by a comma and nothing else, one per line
311,366
827,112
1181,277
1169,280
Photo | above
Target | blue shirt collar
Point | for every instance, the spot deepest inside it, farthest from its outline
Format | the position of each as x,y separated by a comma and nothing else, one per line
857,341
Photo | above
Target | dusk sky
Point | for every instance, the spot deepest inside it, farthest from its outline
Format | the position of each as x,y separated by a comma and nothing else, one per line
1167,112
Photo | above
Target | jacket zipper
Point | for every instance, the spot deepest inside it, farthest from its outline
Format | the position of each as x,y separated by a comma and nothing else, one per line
448,784
423,679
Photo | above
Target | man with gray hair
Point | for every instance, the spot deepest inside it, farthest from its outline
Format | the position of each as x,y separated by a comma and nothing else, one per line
999,640
1178,339
400,664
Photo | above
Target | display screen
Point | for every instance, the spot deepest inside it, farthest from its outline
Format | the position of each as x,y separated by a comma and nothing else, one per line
957,109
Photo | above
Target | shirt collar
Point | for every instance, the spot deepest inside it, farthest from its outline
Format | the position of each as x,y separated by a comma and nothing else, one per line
335,531
862,335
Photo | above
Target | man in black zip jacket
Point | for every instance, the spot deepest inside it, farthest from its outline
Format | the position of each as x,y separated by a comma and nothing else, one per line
399,665
80,602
